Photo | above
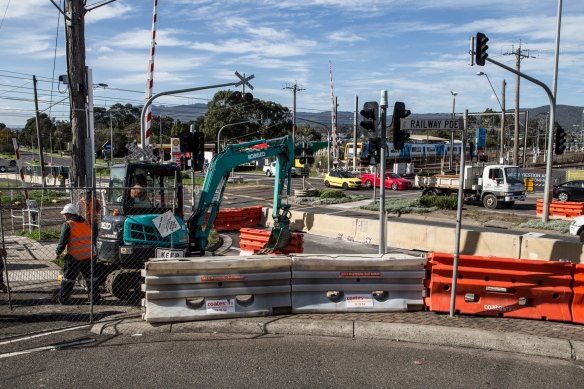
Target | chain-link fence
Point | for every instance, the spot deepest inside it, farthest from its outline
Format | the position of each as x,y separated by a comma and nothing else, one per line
73,256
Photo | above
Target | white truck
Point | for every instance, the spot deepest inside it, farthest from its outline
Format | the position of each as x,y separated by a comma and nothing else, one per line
493,185
270,170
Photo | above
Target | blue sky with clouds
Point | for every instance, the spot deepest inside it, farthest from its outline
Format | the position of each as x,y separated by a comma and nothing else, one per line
417,50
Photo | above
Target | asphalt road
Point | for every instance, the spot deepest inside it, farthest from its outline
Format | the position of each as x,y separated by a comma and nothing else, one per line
251,361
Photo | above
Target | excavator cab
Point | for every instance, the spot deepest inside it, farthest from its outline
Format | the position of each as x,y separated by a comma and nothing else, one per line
143,219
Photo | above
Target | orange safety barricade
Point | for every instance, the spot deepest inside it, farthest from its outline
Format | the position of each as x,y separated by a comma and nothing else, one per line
578,300
251,216
252,240
505,287
561,210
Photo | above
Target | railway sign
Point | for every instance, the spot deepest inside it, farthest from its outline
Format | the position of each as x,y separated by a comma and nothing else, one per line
244,80
410,124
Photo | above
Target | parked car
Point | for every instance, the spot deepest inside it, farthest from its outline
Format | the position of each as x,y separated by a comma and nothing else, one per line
392,180
342,179
577,227
569,191
270,170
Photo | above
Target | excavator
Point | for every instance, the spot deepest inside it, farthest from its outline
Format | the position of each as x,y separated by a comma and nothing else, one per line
143,214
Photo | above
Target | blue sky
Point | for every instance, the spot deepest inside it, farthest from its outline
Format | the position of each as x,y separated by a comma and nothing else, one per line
417,50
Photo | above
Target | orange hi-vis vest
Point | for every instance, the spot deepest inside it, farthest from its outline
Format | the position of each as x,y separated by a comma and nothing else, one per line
79,246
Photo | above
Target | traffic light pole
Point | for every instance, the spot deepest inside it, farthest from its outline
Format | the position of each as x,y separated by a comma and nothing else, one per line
382,218
549,161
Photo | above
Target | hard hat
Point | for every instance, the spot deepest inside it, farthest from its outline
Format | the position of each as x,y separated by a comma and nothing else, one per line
70,208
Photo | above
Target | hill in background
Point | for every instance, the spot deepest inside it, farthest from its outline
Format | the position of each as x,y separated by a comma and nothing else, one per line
567,116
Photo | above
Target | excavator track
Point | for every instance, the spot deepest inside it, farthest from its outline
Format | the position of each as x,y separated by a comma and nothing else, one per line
125,285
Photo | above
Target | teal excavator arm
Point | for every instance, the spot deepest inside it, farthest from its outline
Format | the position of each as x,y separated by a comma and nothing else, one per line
216,179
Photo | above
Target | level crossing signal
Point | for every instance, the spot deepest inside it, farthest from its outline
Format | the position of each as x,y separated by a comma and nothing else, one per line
305,153
399,137
481,49
560,141
370,113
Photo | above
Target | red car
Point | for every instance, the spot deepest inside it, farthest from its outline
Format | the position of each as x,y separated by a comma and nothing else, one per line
392,181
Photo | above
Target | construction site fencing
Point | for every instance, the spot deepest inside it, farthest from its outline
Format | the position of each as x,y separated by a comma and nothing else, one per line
41,291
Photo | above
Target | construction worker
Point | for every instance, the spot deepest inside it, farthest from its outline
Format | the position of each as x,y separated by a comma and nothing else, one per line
90,210
76,237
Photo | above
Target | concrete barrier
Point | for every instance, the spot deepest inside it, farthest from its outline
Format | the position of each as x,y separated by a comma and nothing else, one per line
432,238
442,239
551,249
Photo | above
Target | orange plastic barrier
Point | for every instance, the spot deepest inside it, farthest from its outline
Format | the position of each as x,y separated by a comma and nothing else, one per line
559,210
252,240
578,300
504,287
231,219
251,216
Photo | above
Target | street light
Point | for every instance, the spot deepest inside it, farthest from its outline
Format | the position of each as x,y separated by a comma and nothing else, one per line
452,133
502,105
495,93
224,127
103,85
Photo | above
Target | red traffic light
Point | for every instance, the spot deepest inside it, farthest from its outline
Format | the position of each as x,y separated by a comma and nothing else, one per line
236,97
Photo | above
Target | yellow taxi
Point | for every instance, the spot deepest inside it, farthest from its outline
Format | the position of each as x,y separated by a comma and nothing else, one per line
342,179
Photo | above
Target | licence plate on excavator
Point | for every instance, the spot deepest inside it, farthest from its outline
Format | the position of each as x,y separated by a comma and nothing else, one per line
169,253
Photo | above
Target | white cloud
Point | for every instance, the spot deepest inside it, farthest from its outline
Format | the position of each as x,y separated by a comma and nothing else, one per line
115,10
343,36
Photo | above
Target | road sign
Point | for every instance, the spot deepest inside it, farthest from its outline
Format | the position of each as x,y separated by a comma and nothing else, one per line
107,145
410,124
244,80
174,145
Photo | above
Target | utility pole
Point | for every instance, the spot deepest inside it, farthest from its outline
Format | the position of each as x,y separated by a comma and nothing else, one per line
355,133
38,128
502,150
74,14
295,88
519,55
78,88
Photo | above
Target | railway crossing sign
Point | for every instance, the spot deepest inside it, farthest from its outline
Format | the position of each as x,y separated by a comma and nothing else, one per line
410,124
244,80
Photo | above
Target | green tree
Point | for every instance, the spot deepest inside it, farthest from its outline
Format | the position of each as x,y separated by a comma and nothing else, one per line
6,135
222,110
28,135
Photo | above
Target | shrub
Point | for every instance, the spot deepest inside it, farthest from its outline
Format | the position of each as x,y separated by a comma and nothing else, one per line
332,194
439,202
555,225
51,233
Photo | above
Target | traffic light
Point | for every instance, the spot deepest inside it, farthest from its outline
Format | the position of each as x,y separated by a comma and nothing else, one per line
374,148
370,113
481,49
399,137
198,156
235,97
560,141
305,154
248,97
187,142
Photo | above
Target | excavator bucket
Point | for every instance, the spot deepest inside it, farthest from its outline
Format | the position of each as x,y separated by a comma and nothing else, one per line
280,236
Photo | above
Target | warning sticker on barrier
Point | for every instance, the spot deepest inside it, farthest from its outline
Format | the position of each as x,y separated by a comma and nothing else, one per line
360,274
359,301
226,277
220,306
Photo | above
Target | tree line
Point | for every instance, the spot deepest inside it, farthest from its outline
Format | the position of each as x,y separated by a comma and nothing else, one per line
266,119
